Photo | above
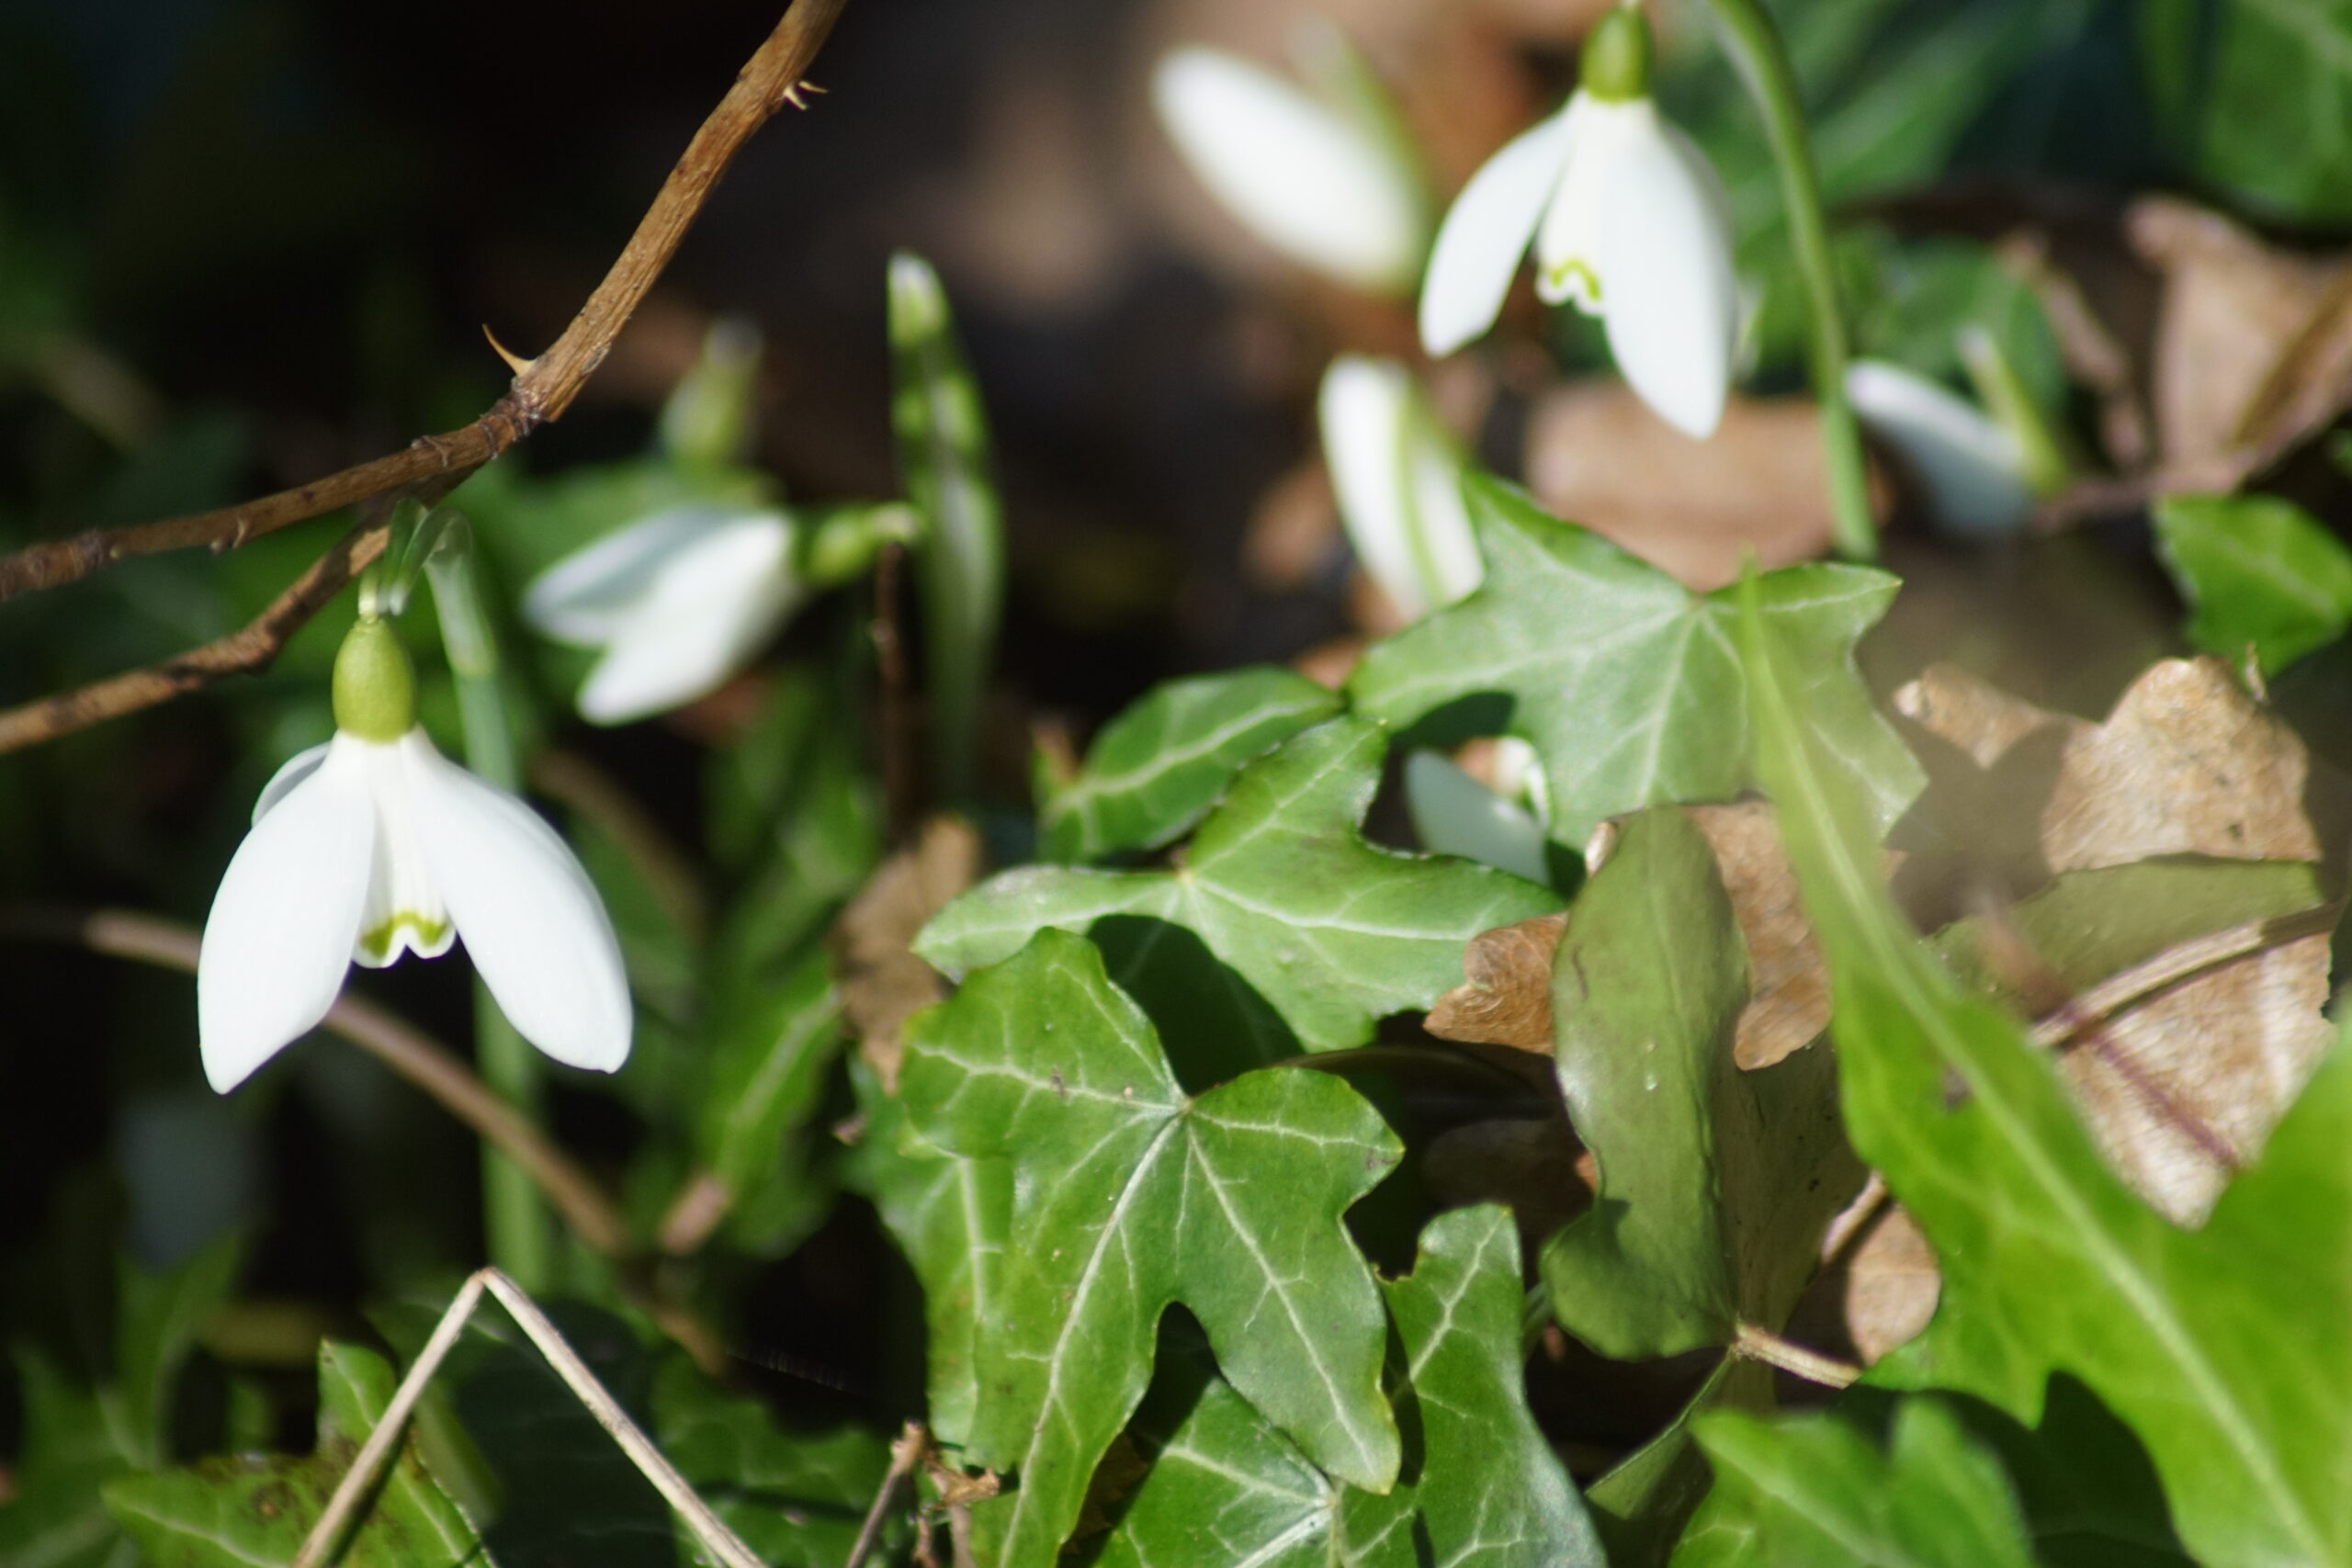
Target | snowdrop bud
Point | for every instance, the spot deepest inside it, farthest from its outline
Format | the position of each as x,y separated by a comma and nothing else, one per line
1614,63
1398,480
1453,814
1323,186
1970,472
375,684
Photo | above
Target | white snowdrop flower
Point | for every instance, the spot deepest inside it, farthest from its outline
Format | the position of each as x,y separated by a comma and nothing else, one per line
1627,219
1973,475
1398,480
1323,185
373,845
1453,814
679,602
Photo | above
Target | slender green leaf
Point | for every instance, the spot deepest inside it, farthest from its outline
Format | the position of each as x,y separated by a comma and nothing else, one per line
1157,768
2258,571
2222,1347
1330,932
1815,1490
243,1510
1627,684
1133,1196
2272,118
943,462
769,1057
1715,1184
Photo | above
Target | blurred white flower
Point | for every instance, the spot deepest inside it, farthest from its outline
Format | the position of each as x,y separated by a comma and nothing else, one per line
679,602
1628,219
1972,474
1453,814
1328,185
374,844
1398,480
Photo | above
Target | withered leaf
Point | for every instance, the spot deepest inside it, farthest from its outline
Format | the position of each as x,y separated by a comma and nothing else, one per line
1596,455
1506,998
883,984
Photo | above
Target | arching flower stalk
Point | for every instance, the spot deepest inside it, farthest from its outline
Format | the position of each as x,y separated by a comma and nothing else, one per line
374,845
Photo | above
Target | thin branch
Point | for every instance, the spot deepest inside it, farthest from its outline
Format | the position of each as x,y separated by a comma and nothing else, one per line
1763,1344
430,468
360,1479
2179,962
400,1046
905,1454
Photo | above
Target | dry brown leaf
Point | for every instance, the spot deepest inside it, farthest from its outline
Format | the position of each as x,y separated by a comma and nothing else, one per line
1597,456
2233,312
1294,529
883,983
2186,765
1890,1284
1506,998
2179,1089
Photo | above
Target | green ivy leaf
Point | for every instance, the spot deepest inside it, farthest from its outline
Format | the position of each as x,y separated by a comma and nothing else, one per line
240,1510
1814,1490
1132,1197
1642,1505
2259,572
2222,1347
1157,768
1332,931
1486,1491
1715,1184
1489,1490
1627,684
950,1216
795,1498
944,461
2271,117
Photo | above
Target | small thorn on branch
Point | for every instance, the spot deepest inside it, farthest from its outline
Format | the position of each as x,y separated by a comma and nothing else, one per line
514,362
792,94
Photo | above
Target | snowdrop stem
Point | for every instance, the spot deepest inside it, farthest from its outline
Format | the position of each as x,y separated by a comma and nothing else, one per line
514,1219
1755,46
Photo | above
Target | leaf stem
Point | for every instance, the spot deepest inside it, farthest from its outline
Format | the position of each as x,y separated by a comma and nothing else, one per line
1762,1344
1755,46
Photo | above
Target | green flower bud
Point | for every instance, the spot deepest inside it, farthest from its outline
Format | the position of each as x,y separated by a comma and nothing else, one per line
375,684
1615,64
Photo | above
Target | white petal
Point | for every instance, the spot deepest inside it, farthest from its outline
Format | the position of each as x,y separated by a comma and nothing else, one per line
404,912
1453,814
1971,469
1487,231
531,919
1398,484
706,611
297,768
584,597
278,939
1310,181
1569,247
1670,293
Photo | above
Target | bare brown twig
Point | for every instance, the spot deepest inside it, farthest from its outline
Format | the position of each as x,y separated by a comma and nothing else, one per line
431,467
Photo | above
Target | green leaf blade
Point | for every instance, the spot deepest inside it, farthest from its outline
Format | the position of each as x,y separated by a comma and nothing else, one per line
1281,886
1642,701
1139,1199
1159,767
2260,572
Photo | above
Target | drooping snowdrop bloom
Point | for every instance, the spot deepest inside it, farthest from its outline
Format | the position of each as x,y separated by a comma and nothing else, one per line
1332,184
1972,474
678,602
373,845
1398,480
1628,219
1454,814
